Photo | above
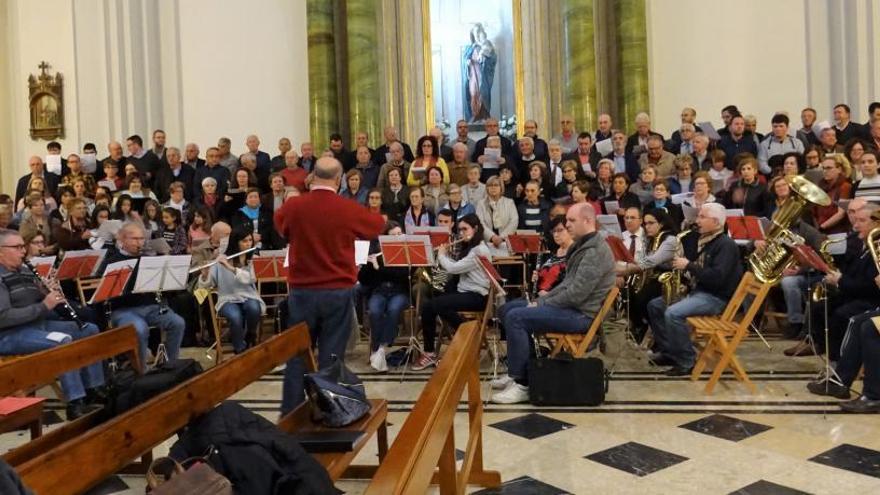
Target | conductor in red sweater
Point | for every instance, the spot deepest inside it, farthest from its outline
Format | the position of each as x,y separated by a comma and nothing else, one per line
321,227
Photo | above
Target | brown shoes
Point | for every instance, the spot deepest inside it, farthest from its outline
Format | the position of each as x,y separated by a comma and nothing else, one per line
801,349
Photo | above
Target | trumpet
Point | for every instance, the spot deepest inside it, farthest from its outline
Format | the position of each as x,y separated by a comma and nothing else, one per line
212,263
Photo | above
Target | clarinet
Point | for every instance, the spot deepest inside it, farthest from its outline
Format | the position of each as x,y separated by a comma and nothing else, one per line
539,260
66,305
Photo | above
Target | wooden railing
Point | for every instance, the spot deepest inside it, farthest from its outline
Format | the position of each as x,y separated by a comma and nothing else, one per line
424,450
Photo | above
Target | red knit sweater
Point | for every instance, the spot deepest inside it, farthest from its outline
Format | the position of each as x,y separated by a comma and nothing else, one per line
321,228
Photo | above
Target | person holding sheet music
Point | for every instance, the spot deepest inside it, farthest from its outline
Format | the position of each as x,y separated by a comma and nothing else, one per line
470,294
569,307
620,194
716,270
141,310
74,233
28,324
237,298
498,216
322,272
748,193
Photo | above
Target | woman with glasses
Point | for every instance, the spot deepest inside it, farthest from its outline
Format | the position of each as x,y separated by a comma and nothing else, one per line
832,219
498,215
427,156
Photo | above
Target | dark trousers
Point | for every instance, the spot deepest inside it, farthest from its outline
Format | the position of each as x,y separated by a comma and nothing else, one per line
638,307
328,313
861,347
447,306
840,311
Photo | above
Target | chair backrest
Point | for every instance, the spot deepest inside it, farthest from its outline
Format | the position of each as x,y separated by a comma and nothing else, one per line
85,287
748,287
597,321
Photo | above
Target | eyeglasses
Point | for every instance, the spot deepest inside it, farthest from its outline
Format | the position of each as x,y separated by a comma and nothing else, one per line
650,222
20,247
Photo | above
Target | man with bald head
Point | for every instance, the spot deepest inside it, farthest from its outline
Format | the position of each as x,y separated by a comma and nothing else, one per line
115,156
284,145
264,162
567,136
570,307
492,129
530,129
322,272
191,156
293,174
38,169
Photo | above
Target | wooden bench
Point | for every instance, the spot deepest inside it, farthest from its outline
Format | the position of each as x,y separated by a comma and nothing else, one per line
29,372
426,440
80,463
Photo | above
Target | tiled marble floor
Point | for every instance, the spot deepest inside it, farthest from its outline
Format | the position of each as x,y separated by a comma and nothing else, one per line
654,434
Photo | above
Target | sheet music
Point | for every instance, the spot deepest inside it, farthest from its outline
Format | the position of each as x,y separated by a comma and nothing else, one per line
678,199
492,157
109,184
72,255
610,225
53,164
361,251
735,212
397,240
837,248
162,273
89,162
604,147
690,213
709,131
611,207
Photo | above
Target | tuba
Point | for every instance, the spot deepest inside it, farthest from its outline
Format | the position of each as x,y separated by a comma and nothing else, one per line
671,286
769,264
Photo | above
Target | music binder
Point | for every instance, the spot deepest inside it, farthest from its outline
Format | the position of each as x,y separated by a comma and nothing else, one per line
269,264
114,280
43,264
79,264
406,250
806,256
439,235
493,275
619,250
162,273
524,242
745,228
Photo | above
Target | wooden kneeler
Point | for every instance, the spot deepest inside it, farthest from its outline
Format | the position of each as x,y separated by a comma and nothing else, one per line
578,344
723,334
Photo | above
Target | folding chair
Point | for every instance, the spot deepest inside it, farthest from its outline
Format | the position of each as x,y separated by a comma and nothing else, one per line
724,333
578,344
216,321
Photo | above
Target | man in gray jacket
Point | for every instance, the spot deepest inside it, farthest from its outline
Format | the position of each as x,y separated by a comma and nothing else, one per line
568,307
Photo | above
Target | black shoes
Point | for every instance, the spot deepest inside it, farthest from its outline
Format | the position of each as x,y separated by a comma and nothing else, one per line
661,360
862,405
679,371
793,331
827,387
78,408
97,396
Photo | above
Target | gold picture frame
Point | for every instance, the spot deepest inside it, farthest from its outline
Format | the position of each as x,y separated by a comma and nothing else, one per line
46,104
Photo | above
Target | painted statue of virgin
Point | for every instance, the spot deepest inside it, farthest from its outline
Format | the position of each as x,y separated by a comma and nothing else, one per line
478,71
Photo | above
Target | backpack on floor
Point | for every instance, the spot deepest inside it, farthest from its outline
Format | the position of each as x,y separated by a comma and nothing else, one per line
126,389
565,381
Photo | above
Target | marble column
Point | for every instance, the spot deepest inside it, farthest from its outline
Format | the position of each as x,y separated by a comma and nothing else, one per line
323,119
363,73
579,57
632,45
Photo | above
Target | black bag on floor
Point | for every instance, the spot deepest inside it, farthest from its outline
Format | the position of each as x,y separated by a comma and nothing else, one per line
565,381
337,396
127,390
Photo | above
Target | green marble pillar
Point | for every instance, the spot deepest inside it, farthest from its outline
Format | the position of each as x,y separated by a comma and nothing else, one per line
363,68
579,66
632,46
323,111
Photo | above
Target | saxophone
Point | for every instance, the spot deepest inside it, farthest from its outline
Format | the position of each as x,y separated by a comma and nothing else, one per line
639,280
671,286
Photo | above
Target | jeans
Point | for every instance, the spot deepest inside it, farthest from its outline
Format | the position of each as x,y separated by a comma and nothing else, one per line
33,337
328,314
793,289
385,310
144,317
243,318
861,346
671,334
447,306
521,322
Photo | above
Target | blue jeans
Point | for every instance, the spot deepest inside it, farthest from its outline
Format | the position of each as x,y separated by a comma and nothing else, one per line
30,338
793,289
143,317
243,318
385,310
521,322
671,334
328,313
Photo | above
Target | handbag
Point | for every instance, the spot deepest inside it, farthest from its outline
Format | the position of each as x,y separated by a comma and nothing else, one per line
565,381
200,479
336,395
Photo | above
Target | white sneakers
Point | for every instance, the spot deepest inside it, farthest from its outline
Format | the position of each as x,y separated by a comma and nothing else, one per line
501,382
377,360
513,394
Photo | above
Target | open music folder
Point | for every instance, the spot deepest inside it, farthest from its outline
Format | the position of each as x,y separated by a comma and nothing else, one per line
439,235
43,264
524,242
745,228
114,280
619,250
406,250
269,264
162,273
79,264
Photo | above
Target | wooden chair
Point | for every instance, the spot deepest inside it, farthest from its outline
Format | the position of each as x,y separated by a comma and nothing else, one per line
274,292
85,287
578,344
216,321
723,334
424,450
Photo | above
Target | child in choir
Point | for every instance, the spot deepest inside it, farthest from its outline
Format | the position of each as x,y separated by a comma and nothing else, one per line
172,230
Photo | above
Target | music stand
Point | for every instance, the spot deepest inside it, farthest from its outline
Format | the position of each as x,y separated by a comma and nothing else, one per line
526,243
269,265
114,280
43,265
439,235
79,264
162,273
407,251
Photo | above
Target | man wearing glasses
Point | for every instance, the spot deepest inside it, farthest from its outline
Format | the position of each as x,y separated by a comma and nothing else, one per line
28,324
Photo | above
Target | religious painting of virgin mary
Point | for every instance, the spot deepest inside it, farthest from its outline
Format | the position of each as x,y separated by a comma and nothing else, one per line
478,74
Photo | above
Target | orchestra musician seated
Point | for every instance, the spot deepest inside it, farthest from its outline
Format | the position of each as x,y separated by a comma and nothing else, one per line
141,310
471,291
28,324
569,307
656,257
237,298
716,270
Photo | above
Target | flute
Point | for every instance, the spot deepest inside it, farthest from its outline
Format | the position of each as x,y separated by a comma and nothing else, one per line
212,263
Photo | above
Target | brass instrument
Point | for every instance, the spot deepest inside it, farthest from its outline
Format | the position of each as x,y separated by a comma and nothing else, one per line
671,286
819,293
638,280
430,276
873,242
771,262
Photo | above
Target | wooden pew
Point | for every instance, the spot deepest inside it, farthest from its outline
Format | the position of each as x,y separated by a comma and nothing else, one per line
427,439
32,371
104,450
